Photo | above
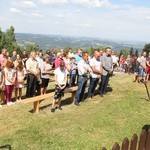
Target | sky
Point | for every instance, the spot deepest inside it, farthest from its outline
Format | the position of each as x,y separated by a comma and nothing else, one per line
105,19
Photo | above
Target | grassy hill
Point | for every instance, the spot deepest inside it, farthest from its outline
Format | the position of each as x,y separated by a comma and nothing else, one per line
96,123
58,41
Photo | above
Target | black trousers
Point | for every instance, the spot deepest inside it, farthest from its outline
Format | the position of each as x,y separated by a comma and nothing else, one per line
104,83
31,85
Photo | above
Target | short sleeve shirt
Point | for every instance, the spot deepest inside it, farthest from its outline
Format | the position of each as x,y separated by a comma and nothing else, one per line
61,75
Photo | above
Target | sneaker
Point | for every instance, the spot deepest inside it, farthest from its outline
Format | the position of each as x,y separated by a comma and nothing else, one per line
59,108
11,103
1,106
76,103
8,104
53,110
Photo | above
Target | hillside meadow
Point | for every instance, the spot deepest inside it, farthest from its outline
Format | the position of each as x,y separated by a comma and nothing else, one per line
96,123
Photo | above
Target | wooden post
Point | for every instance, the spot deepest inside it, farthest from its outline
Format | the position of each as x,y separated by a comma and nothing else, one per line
116,147
142,140
104,148
125,144
148,140
134,142
36,107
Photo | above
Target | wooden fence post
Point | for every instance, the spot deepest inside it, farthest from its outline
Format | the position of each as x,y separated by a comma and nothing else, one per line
125,144
134,142
116,147
147,147
142,140
104,148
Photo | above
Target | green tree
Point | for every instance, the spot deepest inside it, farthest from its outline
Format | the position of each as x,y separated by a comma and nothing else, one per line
32,47
124,52
67,48
8,40
136,53
147,48
131,52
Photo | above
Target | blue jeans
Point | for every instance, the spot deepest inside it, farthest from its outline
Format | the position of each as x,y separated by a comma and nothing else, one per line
79,96
93,84
104,83
141,72
72,80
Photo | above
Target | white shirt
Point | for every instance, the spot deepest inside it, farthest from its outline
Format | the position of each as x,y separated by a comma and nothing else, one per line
142,61
10,74
31,65
45,67
61,75
97,64
83,67
115,59
40,61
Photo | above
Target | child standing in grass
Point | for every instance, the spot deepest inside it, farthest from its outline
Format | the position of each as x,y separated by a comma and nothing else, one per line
10,79
1,84
20,75
60,84
73,72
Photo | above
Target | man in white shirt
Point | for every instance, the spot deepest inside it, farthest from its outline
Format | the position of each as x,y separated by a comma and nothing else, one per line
83,70
33,72
96,67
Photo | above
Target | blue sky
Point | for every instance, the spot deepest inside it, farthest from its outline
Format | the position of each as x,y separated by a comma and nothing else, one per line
107,19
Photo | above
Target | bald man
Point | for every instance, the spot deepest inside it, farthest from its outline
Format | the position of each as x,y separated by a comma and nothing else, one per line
95,74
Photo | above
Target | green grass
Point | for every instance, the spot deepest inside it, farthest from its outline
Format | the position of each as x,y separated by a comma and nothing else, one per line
96,123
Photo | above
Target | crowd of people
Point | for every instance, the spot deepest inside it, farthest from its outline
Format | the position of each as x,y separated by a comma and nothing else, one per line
69,69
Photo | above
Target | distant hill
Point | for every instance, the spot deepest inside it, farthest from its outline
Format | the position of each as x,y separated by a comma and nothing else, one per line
58,41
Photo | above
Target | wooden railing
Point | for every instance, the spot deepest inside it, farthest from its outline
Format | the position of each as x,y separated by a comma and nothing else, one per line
143,143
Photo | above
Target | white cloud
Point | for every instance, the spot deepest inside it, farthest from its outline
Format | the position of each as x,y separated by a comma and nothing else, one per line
23,4
14,10
84,3
83,25
77,11
37,15
51,2
28,4
60,16
90,3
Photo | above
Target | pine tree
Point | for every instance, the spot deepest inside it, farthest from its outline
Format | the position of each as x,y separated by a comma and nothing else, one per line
147,48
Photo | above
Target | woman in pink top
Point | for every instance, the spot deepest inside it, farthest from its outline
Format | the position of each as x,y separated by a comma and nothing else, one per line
58,59
122,61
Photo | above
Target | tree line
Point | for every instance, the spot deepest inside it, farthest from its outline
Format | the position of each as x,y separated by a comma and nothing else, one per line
8,41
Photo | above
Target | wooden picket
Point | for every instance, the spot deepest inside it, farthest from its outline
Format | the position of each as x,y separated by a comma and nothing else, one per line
142,144
134,142
116,147
142,140
125,144
148,141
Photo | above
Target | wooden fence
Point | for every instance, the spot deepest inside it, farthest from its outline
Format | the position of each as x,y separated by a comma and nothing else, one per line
143,143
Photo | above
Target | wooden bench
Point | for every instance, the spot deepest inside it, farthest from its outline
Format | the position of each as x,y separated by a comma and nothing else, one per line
38,99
